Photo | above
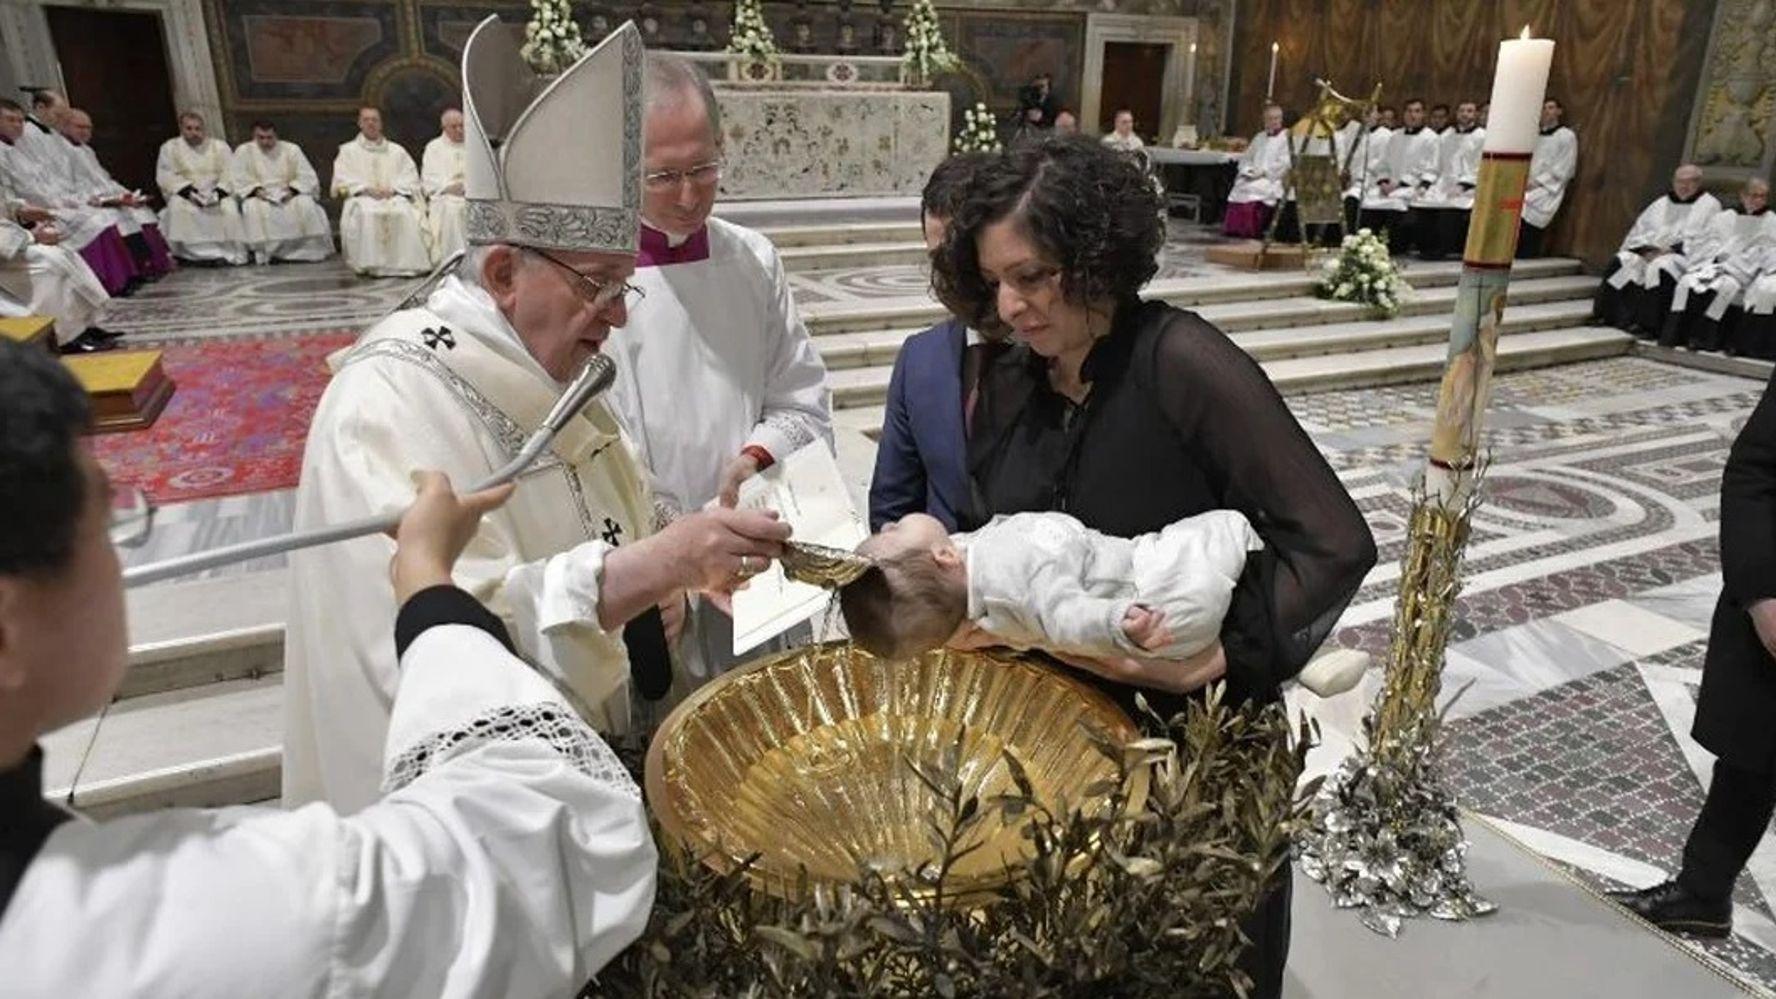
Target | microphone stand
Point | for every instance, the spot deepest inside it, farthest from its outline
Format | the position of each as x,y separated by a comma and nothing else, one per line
598,374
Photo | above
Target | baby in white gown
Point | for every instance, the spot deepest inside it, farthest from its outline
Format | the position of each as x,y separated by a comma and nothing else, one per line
1046,581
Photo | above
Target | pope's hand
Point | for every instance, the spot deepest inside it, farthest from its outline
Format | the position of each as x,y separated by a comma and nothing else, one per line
743,467
1763,618
713,549
435,530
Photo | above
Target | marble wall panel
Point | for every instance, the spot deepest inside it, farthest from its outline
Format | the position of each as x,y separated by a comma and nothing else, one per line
274,51
1733,128
444,28
830,143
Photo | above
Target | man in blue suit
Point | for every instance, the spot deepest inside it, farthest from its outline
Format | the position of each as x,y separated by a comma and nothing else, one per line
921,459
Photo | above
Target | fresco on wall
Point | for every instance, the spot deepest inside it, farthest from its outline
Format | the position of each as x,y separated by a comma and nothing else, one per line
327,51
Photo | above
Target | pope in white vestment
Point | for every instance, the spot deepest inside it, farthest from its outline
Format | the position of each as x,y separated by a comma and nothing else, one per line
441,173
201,221
277,188
382,228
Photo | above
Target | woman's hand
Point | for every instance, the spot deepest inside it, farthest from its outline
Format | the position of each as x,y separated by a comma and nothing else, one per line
1176,676
435,530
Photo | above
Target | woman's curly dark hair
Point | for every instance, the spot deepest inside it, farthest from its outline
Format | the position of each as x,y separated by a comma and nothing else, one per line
1090,210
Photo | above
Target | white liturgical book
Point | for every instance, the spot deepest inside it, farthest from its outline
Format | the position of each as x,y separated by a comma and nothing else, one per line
807,491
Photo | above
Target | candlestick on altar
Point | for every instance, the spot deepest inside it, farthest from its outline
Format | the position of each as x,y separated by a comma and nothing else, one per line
1271,85
1386,835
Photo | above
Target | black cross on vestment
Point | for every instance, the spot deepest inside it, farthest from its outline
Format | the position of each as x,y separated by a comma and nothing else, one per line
440,335
613,532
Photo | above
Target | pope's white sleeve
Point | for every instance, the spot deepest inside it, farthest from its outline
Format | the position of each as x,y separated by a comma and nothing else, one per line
797,408
514,860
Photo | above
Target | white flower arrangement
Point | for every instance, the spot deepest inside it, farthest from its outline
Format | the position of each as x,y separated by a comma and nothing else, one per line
1363,272
751,37
926,53
552,39
980,131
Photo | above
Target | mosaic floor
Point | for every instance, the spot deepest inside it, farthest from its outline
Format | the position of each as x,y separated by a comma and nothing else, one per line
1591,577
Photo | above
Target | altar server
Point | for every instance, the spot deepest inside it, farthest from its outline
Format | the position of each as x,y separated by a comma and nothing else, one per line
277,188
1551,169
1407,172
441,173
457,384
508,853
136,221
1726,259
1636,292
39,276
201,221
382,225
717,378
1258,186
1754,335
34,176
1443,210
1365,159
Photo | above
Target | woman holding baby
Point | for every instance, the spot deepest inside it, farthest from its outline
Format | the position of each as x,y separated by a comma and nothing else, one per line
1131,416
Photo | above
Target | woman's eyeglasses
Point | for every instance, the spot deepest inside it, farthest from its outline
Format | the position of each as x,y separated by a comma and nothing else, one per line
701,175
598,293
132,516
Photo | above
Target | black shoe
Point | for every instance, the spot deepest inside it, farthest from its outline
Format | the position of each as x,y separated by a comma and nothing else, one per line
1673,908
101,333
85,343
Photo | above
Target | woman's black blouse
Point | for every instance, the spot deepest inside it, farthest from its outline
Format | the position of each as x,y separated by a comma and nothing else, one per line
1180,421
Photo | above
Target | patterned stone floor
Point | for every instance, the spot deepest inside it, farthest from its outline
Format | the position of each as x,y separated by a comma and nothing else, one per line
1590,581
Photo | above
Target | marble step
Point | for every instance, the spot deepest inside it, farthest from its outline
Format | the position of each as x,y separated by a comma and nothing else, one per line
798,259
786,237
217,744
189,634
861,410
918,312
828,213
855,350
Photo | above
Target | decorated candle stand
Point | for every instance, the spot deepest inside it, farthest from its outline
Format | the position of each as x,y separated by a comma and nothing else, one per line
1385,834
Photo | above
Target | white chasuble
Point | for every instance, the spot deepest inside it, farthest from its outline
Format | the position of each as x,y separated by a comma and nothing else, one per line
1674,229
1262,168
200,220
441,173
380,237
713,360
278,208
53,281
38,175
91,180
510,857
1551,169
448,387
1726,259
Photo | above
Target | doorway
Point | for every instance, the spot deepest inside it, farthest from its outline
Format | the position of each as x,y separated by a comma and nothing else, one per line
114,64
1134,78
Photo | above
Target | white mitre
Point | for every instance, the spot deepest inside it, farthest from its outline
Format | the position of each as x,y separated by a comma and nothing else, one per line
552,163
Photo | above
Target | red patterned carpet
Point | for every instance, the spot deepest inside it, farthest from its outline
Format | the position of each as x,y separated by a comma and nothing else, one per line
236,424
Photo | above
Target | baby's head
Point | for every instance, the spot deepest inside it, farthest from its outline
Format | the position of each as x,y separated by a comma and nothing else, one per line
913,597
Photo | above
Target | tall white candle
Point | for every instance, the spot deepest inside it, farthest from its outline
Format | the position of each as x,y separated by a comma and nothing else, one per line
1518,89
1271,86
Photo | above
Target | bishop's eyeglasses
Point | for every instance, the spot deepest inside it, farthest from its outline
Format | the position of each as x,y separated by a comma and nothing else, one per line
701,175
598,293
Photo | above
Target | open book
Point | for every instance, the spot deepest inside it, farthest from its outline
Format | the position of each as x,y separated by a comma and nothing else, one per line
807,491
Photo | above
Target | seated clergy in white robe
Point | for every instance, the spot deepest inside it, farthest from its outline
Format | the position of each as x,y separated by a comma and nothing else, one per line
277,187
1551,169
716,376
570,563
201,221
507,854
129,209
382,225
1408,170
41,277
36,176
1258,186
1722,264
1636,292
1755,333
441,173
1366,160
1442,211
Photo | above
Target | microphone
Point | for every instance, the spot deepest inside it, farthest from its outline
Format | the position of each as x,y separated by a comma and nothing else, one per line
594,378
